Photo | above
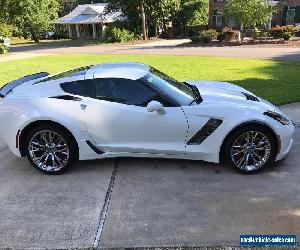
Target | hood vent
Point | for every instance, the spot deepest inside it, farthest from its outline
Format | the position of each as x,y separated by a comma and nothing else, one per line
250,97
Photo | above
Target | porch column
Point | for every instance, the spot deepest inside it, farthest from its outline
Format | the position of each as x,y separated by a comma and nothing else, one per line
77,31
103,33
94,30
69,31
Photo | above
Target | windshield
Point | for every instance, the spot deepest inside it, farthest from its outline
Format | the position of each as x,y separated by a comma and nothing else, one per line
174,89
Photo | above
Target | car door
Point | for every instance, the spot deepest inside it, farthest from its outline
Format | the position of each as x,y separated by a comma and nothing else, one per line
118,121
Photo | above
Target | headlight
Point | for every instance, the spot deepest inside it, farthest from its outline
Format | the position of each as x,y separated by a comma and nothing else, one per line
278,117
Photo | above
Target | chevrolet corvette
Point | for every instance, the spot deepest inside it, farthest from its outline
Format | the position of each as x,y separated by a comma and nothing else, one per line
134,110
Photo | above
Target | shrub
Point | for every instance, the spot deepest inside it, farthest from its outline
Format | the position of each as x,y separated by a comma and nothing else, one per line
207,36
279,31
5,30
59,36
264,34
292,29
256,33
195,39
3,49
117,35
227,34
221,37
287,36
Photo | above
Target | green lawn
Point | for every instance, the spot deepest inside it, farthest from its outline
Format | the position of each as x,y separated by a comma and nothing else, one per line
278,82
16,41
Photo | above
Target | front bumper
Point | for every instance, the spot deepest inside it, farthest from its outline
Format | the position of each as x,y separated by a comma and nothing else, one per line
286,141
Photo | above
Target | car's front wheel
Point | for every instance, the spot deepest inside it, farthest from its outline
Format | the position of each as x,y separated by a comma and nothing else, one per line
50,149
250,149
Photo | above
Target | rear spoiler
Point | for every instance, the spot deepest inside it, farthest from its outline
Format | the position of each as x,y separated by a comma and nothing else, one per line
10,86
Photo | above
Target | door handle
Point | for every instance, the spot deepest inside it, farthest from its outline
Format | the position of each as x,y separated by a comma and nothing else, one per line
83,107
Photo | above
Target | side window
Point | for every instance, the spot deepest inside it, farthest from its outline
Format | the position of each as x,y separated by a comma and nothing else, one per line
82,88
124,91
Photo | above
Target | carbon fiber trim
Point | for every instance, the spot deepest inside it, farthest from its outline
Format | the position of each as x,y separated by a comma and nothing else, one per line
67,98
250,97
94,148
296,123
205,131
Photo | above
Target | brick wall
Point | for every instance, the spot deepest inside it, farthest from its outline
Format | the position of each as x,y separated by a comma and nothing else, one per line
214,5
278,18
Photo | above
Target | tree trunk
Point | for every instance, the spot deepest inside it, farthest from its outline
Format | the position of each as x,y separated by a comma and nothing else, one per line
155,29
182,30
143,16
164,27
34,37
243,32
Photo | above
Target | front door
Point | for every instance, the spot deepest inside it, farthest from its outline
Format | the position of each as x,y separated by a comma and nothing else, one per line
118,120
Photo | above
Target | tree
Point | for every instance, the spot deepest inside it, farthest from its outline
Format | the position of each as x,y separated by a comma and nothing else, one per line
250,13
32,18
145,13
5,30
133,11
143,16
194,12
66,6
89,1
191,13
164,10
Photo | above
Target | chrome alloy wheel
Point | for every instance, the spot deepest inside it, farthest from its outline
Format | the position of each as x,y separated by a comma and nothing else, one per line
251,151
49,151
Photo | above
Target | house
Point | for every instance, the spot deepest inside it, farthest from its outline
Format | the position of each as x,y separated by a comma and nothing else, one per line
85,21
288,14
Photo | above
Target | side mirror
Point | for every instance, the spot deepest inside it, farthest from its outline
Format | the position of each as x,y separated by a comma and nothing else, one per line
155,106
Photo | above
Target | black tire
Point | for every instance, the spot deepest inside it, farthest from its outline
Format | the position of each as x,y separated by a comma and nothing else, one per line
69,141
238,133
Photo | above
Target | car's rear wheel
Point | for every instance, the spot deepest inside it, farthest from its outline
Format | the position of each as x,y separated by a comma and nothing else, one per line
50,149
250,149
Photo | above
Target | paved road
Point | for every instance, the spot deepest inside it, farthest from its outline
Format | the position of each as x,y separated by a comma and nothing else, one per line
153,202
292,54
162,47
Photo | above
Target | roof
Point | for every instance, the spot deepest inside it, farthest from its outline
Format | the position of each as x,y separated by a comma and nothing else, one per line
88,13
126,70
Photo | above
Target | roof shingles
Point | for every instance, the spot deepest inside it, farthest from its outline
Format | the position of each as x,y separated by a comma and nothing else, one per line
88,13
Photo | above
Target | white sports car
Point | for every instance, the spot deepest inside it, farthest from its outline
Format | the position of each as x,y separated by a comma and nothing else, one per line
134,110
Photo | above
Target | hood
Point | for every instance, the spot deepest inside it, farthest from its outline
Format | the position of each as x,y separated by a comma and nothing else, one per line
227,93
213,93
222,91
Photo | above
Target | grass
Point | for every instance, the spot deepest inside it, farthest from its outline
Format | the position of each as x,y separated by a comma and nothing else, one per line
20,41
276,81
16,41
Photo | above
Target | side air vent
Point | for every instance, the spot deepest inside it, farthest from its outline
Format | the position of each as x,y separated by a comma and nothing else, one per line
205,131
67,98
250,97
94,148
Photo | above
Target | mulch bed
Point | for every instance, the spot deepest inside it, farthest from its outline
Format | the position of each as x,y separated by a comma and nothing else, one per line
295,42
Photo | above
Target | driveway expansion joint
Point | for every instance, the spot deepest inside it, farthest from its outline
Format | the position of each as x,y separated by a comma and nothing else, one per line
104,210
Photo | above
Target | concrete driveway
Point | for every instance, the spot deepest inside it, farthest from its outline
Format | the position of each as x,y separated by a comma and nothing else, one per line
145,202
